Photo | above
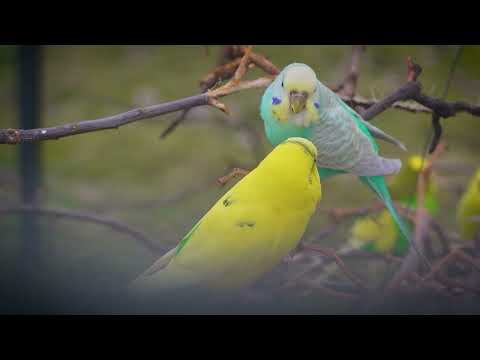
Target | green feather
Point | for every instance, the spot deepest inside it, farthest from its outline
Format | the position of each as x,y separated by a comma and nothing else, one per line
378,185
187,237
359,123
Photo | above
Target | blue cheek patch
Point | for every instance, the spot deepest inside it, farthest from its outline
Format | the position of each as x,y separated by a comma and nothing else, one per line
317,105
276,101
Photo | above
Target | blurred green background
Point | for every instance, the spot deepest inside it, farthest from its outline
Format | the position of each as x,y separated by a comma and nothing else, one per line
163,187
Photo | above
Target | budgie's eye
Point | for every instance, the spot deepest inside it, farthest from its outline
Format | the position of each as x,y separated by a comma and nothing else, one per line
282,83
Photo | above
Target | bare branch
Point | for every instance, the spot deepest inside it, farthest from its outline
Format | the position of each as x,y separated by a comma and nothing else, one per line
348,86
405,92
446,109
173,125
410,91
86,217
414,70
221,72
236,172
243,85
16,136
400,105
263,63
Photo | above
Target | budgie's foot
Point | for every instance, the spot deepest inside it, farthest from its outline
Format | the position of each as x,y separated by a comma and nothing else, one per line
289,258
292,255
236,172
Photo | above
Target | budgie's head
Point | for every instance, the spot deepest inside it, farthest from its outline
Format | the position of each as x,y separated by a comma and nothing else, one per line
307,145
291,163
293,93
299,83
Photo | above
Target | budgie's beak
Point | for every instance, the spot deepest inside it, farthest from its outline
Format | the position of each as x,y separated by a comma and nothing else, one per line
297,101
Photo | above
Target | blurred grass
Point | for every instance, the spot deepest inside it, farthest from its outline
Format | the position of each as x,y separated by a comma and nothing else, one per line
115,172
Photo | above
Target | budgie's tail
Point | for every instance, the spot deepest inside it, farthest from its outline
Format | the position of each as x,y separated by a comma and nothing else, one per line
163,281
378,185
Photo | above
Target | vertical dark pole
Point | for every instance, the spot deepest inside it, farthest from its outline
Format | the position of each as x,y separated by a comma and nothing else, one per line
30,68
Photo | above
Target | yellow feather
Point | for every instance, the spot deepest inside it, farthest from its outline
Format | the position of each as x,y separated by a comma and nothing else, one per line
251,228
468,211
282,110
380,231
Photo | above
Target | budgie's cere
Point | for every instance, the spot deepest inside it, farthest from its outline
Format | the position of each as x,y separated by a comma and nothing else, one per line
249,230
468,211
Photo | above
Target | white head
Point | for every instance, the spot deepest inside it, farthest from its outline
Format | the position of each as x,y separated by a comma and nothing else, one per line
299,82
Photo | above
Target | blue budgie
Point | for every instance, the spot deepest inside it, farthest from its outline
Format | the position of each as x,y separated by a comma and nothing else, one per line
297,104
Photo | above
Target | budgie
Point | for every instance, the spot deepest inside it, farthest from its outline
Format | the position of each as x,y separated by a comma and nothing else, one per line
468,210
297,104
379,233
248,231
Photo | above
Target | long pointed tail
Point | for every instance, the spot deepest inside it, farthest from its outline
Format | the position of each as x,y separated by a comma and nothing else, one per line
378,185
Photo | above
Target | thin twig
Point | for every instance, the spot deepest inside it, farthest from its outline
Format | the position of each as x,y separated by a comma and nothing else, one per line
437,126
16,136
340,263
87,217
348,86
173,125
332,292
236,172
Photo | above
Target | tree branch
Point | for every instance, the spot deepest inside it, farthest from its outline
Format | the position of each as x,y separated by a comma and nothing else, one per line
348,86
86,217
410,91
16,136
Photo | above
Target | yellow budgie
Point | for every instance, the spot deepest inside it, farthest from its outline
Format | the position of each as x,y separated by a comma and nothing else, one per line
248,231
468,210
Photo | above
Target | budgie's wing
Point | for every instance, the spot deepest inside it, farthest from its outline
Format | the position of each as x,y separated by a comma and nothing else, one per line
379,134
326,173
344,143
373,130
235,232
168,256
161,263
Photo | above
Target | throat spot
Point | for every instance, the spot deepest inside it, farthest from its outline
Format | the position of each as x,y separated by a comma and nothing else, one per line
276,101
